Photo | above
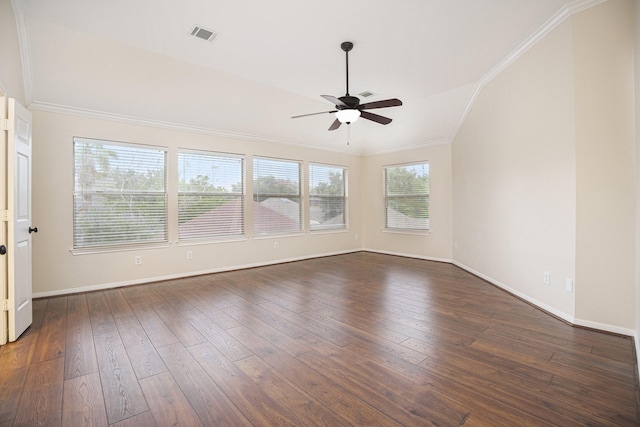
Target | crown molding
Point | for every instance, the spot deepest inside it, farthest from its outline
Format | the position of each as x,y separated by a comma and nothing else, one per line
539,34
467,110
532,40
431,143
101,115
84,112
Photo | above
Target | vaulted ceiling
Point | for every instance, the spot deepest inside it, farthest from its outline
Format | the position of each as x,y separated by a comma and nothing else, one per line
272,59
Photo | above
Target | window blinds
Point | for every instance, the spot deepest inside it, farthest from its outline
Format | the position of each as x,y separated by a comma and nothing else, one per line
119,194
327,197
210,195
407,196
276,196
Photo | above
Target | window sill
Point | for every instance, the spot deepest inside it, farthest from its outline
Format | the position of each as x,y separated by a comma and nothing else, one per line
114,249
211,241
277,235
411,232
329,231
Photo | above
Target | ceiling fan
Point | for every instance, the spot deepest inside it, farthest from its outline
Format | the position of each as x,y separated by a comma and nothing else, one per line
348,108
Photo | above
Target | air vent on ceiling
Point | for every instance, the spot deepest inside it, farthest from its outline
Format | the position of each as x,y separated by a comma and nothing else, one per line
366,94
203,33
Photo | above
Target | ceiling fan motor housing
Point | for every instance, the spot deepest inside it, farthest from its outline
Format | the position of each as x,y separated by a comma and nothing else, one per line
350,102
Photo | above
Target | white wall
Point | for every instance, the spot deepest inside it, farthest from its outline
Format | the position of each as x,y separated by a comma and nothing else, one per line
11,83
57,270
514,177
605,153
544,173
437,244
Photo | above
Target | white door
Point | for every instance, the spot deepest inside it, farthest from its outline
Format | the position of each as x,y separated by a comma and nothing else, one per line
4,332
19,229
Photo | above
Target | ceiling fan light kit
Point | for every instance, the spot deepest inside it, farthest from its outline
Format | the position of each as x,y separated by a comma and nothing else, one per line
348,108
347,116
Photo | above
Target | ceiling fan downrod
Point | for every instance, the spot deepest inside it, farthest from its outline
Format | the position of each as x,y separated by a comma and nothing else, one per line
347,46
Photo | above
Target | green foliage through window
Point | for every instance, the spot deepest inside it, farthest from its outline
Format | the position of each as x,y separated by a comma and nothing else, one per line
407,196
276,196
327,197
119,194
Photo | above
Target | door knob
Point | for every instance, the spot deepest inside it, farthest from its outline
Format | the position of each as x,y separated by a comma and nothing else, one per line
3,249
33,230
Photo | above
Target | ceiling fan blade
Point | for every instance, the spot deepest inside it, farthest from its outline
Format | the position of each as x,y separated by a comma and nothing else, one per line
335,101
347,105
375,118
394,102
313,114
335,125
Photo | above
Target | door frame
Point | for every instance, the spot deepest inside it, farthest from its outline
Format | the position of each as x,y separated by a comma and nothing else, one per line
4,293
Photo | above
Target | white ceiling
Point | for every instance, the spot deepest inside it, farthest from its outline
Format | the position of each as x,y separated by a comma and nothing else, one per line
273,59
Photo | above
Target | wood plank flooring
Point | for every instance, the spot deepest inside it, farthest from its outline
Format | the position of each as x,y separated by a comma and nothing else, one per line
356,339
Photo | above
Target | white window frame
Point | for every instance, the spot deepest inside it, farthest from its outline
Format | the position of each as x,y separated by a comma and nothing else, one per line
80,193
256,204
412,226
210,234
343,197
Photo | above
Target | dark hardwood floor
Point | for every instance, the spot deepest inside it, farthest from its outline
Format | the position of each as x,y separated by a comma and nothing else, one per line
357,339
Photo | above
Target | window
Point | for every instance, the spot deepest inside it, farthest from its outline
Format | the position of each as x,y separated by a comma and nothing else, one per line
276,196
407,196
327,197
119,194
210,195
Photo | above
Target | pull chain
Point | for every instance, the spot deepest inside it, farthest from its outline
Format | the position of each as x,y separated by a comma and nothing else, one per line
348,133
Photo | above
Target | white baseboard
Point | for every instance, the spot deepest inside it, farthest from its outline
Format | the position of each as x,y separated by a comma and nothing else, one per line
560,314
635,340
112,285
606,328
568,318
426,258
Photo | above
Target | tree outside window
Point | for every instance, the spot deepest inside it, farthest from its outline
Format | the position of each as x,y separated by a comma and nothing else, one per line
119,194
327,197
407,196
210,195
277,196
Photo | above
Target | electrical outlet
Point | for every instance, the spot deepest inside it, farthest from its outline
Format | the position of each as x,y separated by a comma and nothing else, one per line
189,254
546,278
137,260
568,285
275,245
